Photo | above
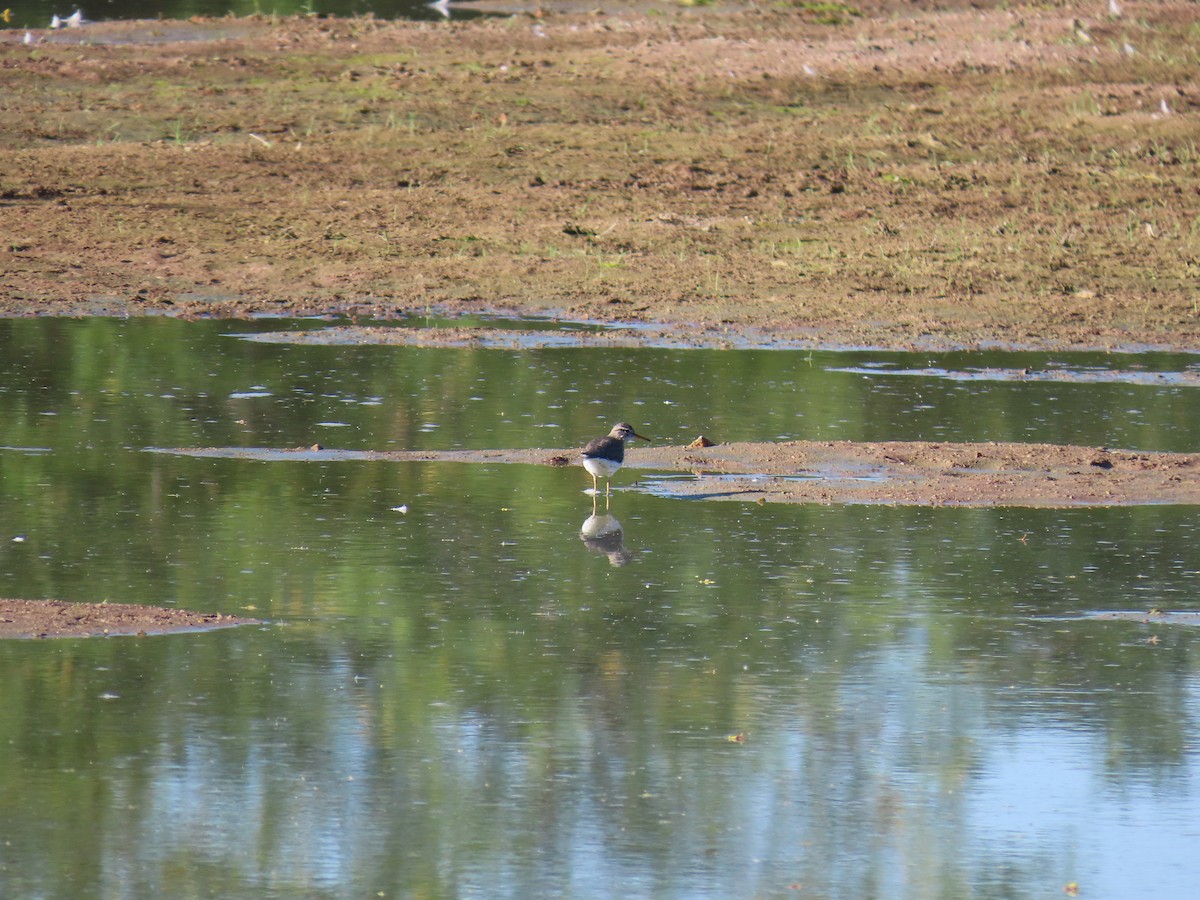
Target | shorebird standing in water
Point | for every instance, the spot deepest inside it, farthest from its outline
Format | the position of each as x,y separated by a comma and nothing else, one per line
603,456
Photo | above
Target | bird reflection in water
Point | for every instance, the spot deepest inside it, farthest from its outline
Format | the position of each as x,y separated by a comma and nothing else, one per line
604,535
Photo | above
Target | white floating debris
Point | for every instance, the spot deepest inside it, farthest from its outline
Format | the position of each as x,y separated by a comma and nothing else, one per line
402,508
74,20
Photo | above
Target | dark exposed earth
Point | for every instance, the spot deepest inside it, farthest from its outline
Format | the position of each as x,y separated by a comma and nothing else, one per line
888,173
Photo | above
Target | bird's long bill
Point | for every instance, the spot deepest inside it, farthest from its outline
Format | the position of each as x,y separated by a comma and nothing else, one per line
640,437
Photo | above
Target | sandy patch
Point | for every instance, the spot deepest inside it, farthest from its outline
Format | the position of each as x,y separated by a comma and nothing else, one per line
906,473
56,618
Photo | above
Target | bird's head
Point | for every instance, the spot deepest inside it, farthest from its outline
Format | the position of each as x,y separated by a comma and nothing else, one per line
623,431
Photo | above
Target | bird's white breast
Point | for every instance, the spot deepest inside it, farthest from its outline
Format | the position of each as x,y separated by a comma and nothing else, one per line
601,468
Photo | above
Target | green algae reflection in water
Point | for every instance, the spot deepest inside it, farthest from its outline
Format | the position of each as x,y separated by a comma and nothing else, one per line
457,695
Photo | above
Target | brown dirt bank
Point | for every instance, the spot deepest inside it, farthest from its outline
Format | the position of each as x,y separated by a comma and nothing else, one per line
55,618
908,473
887,174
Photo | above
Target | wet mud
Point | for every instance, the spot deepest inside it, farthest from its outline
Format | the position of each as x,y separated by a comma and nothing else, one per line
903,473
58,619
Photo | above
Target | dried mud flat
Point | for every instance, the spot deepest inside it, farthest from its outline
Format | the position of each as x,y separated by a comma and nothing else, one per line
55,618
882,173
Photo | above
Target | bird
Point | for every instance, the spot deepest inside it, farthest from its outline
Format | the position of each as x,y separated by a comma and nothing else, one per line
603,456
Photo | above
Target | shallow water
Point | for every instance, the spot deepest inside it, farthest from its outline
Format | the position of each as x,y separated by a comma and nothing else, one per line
458,694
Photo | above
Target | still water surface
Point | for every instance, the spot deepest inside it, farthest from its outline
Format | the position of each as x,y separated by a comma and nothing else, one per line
467,699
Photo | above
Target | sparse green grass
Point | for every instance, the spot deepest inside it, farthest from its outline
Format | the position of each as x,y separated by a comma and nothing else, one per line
389,168
825,12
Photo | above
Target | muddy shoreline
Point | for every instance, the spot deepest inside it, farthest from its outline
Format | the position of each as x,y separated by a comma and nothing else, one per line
893,472
59,619
615,334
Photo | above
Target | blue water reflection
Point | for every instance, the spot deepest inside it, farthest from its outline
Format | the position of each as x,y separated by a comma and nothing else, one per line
460,691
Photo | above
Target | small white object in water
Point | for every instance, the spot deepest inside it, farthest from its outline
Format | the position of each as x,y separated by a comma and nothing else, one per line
74,20
402,508
18,538
441,6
